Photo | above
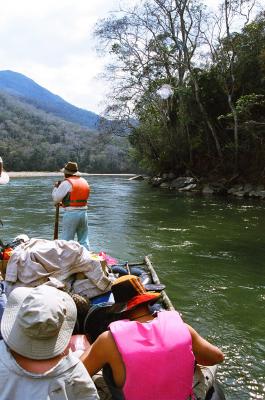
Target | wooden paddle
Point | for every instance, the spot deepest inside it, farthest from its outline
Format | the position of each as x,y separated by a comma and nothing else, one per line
56,223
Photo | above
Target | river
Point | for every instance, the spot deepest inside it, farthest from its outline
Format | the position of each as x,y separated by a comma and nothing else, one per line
208,251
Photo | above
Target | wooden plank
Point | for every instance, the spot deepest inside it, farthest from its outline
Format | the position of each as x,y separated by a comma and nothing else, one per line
165,298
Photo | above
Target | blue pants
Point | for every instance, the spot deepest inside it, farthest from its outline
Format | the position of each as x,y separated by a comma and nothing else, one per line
76,222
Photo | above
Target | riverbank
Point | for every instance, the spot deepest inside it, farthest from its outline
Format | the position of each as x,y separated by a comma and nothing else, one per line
171,182
224,187
29,174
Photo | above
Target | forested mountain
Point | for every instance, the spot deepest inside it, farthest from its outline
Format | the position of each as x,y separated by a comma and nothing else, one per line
29,91
34,140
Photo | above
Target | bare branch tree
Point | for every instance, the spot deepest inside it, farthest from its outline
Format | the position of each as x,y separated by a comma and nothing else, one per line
233,15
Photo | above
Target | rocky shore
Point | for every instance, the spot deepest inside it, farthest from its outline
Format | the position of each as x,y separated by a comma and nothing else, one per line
178,184
218,187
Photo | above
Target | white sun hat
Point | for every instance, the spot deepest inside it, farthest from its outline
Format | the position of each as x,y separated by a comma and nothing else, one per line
37,323
23,237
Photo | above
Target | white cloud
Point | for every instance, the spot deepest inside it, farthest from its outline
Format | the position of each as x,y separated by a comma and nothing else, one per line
50,41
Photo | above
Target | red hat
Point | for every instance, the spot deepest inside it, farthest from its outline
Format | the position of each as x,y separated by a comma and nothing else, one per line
129,289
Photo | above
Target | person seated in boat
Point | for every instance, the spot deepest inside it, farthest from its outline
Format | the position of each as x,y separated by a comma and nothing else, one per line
3,300
146,356
35,360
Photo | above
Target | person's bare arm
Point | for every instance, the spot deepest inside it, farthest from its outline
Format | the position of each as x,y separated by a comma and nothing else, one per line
104,351
96,356
205,353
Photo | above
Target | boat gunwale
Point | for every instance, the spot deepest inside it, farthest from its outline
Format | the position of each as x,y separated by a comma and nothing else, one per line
167,302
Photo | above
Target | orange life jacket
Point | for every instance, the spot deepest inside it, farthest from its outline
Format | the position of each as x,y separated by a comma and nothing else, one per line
7,253
79,194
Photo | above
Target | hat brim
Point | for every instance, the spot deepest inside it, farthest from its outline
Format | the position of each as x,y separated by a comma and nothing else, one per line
99,317
68,172
36,349
149,298
105,307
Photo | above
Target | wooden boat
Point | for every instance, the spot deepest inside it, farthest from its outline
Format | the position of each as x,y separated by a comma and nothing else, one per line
94,321
101,312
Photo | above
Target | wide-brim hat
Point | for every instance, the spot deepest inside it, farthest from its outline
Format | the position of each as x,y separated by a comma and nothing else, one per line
37,323
99,317
129,291
71,168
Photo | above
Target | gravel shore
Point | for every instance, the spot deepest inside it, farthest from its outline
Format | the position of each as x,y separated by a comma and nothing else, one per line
25,174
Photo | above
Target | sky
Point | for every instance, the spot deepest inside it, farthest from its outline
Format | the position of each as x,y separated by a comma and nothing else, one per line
51,42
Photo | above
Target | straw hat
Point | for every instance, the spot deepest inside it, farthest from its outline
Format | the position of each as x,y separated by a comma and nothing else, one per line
38,322
71,168
129,289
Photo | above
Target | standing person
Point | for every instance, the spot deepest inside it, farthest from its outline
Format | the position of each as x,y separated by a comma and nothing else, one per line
72,193
1,166
35,362
146,356
4,178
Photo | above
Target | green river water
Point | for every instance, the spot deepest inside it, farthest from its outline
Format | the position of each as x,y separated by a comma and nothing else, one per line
209,251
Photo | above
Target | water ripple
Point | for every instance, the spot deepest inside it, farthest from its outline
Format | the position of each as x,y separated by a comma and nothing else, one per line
208,252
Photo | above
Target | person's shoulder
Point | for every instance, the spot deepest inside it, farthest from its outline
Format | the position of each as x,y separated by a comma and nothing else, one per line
84,180
79,384
72,368
7,361
65,184
4,349
105,342
79,371
66,181
105,337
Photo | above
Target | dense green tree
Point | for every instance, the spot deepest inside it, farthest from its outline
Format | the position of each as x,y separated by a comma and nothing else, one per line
201,126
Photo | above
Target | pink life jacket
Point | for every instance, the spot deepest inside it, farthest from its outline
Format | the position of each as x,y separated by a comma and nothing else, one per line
158,357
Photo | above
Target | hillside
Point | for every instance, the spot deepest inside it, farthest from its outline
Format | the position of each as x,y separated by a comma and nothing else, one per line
28,91
34,140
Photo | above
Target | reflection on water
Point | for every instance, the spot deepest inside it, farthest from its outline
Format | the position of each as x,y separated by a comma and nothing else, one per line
208,251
